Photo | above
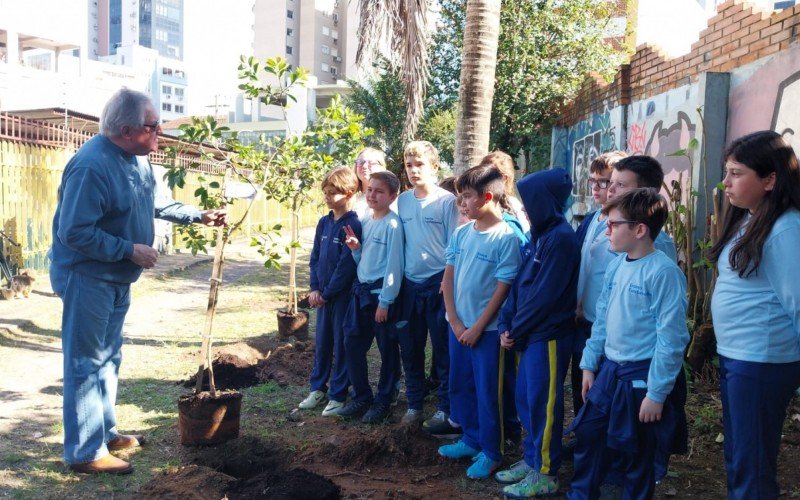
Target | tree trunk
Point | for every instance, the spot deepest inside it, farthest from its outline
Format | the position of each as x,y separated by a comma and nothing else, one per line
476,88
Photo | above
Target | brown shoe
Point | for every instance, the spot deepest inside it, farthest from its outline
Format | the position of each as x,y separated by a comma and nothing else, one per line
108,464
125,441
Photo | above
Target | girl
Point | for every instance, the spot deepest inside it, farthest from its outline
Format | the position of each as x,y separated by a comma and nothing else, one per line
756,308
369,160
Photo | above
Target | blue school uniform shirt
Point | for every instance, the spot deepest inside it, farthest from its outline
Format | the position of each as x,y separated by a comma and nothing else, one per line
757,318
428,224
641,315
331,262
481,259
381,256
596,255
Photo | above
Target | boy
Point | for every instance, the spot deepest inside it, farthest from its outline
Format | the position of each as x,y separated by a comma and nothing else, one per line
332,273
640,331
380,268
503,162
589,233
537,320
429,216
480,254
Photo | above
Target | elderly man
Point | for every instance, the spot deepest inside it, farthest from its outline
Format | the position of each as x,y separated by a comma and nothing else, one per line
102,236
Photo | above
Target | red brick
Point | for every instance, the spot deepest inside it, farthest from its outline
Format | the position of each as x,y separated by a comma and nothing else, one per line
771,49
730,47
727,21
739,52
771,30
743,14
760,44
784,14
732,29
726,67
747,58
780,36
714,20
714,35
748,39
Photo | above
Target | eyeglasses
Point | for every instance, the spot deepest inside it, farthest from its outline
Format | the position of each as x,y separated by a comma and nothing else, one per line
613,223
600,183
152,126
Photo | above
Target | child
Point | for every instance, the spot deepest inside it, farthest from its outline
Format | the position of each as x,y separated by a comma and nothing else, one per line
537,320
503,162
380,271
369,160
590,236
429,216
755,308
482,261
634,354
332,272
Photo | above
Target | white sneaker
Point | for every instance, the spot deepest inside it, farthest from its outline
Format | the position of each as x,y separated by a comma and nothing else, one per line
332,408
313,399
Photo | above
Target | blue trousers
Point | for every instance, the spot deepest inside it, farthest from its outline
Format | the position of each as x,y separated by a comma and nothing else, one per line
476,378
329,355
540,401
91,339
754,401
357,344
423,312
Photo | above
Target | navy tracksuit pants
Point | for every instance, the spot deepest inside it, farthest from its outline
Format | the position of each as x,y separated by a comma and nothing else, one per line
329,355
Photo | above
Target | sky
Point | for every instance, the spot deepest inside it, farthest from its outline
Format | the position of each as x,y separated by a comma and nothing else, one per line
215,35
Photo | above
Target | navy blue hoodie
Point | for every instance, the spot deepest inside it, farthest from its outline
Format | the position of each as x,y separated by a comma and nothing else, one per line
541,304
333,268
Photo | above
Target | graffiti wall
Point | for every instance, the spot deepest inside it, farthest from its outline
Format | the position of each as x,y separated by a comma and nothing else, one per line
575,147
765,95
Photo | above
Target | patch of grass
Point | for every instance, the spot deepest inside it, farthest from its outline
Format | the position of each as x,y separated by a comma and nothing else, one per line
706,419
14,458
266,389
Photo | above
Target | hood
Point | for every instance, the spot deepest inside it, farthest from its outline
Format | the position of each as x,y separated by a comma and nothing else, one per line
544,195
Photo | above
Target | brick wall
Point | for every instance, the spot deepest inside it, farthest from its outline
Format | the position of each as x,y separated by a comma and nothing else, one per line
738,34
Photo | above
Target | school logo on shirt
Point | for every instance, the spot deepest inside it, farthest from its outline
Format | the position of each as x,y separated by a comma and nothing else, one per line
485,257
638,290
406,220
431,220
379,241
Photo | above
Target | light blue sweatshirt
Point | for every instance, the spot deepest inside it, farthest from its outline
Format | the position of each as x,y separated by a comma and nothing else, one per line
381,256
757,318
106,204
596,255
428,224
641,315
481,259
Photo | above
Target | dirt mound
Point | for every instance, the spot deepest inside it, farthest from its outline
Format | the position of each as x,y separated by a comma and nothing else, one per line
389,447
289,364
242,365
298,484
193,482
241,458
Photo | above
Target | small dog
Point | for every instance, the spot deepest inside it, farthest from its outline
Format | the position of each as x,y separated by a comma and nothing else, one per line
22,283
7,293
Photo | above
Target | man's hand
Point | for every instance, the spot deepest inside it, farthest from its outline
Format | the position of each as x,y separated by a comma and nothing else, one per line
470,337
381,314
215,217
144,255
506,342
588,382
650,411
315,299
351,240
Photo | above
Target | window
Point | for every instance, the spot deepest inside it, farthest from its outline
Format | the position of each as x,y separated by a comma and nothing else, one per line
178,92
166,89
166,71
290,14
165,106
179,73
289,32
326,31
288,50
335,34
178,108
333,70
326,49
325,68
334,52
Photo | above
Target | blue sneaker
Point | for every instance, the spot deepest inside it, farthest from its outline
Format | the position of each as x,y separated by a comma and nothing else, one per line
457,450
482,467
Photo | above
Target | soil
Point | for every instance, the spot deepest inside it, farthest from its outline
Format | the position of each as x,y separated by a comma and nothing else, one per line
245,365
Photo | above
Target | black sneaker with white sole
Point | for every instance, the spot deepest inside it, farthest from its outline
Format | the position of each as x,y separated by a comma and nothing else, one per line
354,409
378,413
439,426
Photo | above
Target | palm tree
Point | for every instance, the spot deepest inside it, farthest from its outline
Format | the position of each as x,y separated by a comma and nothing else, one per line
402,25
476,89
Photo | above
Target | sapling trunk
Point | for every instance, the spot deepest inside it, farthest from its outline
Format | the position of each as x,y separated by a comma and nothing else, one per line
291,305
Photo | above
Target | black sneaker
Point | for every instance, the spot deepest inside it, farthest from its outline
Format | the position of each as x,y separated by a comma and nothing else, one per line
439,427
431,385
395,396
377,413
354,409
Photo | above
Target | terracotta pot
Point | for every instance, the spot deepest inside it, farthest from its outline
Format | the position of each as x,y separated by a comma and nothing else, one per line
293,325
206,420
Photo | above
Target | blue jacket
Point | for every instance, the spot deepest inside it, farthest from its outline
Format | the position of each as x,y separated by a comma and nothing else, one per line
541,304
333,268
580,234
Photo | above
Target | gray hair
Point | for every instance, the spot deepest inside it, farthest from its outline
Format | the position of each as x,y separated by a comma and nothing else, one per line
125,108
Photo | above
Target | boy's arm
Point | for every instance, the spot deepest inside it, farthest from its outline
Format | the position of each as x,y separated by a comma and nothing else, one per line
557,260
596,343
393,276
785,284
313,260
474,332
449,301
669,308
345,271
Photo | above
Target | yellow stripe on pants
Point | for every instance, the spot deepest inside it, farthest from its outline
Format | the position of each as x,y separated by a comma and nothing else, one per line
551,404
